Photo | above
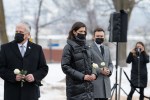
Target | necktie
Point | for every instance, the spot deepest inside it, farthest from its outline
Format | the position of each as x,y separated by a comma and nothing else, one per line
102,50
22,50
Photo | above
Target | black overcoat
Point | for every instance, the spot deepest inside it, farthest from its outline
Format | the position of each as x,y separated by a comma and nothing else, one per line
139,69
33,61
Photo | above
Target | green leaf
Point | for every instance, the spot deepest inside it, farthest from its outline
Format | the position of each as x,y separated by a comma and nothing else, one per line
23,72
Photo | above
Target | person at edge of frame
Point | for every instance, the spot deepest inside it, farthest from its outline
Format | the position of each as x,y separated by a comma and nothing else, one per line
22,66
139,58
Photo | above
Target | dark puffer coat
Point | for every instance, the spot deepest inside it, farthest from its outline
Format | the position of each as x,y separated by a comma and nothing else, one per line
139,69
76,62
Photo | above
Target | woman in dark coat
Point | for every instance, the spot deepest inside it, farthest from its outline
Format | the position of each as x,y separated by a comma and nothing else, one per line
76,64
139,59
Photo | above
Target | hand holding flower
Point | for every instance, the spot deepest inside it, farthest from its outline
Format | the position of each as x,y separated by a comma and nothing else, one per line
87,77
93,77
90,77
20,75
29,78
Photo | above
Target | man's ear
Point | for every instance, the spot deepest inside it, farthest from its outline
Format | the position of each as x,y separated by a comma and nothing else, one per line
29,36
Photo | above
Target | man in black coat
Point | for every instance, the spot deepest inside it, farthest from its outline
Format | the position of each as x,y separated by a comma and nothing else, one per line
21,54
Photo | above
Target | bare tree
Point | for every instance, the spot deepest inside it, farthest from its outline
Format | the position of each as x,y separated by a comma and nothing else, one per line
89,7
71,8
37,21
3,36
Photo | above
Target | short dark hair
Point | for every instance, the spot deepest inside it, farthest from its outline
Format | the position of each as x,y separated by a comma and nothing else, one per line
75,27
98,30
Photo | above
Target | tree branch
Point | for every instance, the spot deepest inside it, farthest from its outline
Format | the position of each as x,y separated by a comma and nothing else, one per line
37,21
138,1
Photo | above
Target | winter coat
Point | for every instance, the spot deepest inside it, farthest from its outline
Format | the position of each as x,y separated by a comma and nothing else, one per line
139,69
102,85
33,62
76,62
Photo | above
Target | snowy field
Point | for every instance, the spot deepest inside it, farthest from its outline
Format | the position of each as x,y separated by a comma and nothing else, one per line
54,84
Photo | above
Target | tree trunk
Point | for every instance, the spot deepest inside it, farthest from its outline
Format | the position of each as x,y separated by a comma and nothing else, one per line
3,35
128,6
91,15
37,22
92,20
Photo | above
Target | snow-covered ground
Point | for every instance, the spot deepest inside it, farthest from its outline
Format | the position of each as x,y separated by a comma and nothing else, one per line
54,83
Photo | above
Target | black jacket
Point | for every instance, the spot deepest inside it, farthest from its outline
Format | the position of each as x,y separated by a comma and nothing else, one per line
139,69
33,61
76,62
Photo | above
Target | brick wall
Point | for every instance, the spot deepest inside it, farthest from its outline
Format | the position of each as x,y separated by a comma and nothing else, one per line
53,55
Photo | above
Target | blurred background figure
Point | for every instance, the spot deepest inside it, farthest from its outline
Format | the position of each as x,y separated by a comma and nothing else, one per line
139,58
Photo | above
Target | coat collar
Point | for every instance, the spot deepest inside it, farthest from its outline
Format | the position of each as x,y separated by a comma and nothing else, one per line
28,49
97,50
16,50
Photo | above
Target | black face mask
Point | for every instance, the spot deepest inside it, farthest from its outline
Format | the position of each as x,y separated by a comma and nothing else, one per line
19,37
81,36
99,40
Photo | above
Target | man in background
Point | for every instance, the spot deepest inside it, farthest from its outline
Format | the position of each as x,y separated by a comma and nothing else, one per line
101,56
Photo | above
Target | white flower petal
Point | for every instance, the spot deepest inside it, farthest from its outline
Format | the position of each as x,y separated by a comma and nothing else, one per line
102,63
95,65
16,71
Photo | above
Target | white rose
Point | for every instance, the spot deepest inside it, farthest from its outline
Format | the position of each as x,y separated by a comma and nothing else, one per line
95,65
102,63
16,71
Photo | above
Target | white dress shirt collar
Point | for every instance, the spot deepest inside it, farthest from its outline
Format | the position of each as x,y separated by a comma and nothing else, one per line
98,45
24,45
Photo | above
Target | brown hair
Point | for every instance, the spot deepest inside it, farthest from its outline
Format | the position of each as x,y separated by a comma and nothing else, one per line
141,43
98,30
75,27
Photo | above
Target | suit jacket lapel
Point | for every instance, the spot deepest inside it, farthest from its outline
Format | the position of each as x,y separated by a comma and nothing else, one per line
97,50
28,49
15,49
105,53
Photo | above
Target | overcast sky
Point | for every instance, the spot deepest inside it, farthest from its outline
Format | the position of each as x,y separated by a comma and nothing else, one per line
138,18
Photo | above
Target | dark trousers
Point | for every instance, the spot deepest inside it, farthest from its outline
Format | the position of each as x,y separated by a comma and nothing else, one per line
100,99
133,90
